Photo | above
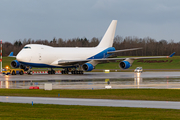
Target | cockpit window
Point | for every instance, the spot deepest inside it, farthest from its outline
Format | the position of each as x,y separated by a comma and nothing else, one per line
26,47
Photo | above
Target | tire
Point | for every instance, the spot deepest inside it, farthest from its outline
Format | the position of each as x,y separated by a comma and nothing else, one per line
49,72
13,72
29,72
21,72
53,72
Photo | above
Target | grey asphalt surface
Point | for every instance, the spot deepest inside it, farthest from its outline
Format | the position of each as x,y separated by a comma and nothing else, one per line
125,80
89,75
93,102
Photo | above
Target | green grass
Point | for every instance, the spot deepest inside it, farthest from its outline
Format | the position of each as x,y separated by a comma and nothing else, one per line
130,94
15,111
7,61
175,64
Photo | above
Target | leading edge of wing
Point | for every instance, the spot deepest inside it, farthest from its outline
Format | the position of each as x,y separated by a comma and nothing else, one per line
133,58
124,50
73,62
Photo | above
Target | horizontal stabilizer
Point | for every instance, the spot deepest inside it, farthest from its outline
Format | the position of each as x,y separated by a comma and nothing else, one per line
172,54
11,55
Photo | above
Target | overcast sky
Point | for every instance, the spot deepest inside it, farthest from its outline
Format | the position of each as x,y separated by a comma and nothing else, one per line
46,19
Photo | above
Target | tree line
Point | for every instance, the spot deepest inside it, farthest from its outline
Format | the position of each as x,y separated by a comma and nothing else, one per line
150,47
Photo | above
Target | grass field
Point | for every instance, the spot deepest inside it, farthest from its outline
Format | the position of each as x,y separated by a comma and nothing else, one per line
15,111
129,94
175,64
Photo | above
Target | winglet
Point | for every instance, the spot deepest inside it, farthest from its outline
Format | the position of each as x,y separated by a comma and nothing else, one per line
172,54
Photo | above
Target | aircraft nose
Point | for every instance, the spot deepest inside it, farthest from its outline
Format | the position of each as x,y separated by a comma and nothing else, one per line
18,58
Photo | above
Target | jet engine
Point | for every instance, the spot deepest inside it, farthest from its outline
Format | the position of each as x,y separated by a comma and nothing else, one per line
124,65
87,67
15,64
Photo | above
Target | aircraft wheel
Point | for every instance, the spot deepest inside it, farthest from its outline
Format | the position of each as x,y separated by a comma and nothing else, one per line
13,72
52,71
21,72
29,72
81,72
49,72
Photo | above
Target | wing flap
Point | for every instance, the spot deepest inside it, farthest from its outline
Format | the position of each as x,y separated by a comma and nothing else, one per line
71,62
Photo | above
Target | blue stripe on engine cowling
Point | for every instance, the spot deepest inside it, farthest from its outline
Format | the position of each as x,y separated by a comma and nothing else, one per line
103,54
127,64
17,63
90,66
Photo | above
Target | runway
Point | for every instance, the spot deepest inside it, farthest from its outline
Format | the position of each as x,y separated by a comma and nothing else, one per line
93,102
95,80
90,75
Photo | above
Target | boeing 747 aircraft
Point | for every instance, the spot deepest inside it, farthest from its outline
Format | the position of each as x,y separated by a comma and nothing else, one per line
73,59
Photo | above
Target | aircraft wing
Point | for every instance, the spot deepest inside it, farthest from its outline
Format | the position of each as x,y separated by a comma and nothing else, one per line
124,50
133,58
73,62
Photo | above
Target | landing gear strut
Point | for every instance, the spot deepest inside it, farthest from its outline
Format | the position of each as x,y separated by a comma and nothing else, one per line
29,72
51,71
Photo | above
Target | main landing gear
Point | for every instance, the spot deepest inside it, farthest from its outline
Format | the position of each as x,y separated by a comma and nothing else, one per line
51,71
66,71
29,72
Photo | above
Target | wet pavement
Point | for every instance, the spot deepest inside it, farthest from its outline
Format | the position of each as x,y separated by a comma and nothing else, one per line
95,80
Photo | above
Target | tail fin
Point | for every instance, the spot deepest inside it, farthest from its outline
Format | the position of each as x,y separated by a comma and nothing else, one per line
107,40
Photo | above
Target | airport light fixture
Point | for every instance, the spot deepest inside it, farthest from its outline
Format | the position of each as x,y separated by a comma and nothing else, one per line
1,56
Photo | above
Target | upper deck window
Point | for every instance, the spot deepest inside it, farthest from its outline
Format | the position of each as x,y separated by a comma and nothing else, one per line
26,47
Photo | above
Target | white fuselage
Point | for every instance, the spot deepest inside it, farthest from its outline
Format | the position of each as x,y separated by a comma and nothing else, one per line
42,54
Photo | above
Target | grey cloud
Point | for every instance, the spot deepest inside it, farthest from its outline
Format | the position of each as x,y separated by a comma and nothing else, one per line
45,19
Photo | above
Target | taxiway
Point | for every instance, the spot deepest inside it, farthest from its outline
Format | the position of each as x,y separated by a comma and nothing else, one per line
95,80
92,102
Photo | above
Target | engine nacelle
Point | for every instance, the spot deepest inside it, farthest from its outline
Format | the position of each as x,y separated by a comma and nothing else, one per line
124,65
15,64
88,67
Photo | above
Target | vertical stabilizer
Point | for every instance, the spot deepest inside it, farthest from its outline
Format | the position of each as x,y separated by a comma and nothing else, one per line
107,40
